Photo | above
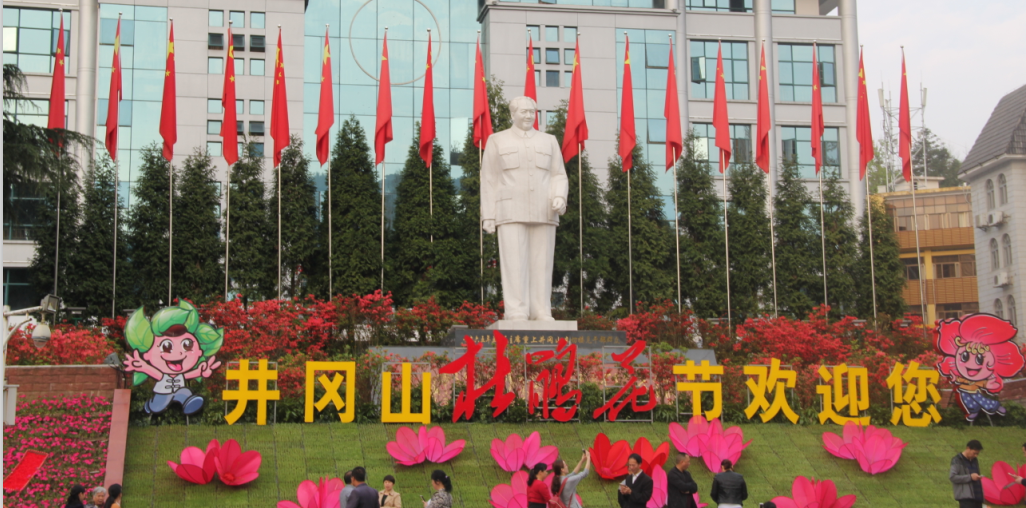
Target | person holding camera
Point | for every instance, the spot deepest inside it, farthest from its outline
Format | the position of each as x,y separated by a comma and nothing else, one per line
729,489
681,487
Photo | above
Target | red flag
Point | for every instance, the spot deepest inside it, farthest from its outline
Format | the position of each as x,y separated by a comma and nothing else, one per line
674,138
721,122
279,106
530,88
482,109
427,113
904,126
863,126
114,98
576,125
326,109
764,124
817,114
169,106
383,125
229,124
628,136
56,120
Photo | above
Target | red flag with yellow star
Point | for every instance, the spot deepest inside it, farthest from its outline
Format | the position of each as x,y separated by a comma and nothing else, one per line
764,123
530,87
326,109
110,140
628,134
576,124
229,125
168,107
904,126
721,120
427,114
279,106
817,114
383,122
56,120
671,111
482,107
863,124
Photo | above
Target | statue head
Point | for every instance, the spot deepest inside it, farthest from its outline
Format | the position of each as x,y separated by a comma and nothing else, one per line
523,111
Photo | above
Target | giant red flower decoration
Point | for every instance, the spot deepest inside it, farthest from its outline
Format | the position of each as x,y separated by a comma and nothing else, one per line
426,444
994,490
808,493
197,466
323,494
708,440
875,449
514,494
651,459
517,452
235,467
610,459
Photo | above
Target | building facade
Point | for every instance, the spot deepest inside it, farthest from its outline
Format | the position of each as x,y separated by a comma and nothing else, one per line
356,29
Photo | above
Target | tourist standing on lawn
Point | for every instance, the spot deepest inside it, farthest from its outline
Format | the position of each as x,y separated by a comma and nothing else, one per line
965,476
343,497
98,496
113,496
389,497
363,495
681,488
443,486
729,489
77,497
569,480
538,494
636,489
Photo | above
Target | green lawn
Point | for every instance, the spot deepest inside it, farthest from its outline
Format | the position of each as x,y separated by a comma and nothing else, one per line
778,453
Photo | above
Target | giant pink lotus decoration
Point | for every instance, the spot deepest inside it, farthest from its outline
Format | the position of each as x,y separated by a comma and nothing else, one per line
426,444
235,467
514,494
875,449
659,489
197,465
808,493
994,490
323,494
517,452
708,440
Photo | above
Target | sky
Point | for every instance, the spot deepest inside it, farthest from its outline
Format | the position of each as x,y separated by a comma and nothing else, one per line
967,54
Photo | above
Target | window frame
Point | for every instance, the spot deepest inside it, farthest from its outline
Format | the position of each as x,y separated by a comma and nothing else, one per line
995,255
1002,189
1006,249
989,190
999,310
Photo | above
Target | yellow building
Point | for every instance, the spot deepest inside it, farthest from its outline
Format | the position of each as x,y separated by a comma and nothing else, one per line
944,281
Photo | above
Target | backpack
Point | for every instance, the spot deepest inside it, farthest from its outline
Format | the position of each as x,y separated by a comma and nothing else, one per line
555,501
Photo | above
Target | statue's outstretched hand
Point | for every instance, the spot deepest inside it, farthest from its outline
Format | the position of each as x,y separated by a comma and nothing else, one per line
488,225
559,205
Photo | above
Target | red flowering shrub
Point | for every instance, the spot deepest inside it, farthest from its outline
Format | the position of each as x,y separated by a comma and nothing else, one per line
68,345
658,322
592,321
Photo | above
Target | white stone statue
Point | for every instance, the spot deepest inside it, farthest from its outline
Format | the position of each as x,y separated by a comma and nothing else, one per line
523,193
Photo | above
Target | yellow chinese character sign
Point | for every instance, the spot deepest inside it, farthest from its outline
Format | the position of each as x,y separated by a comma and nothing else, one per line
344,372
771,381
698,387
844,387
921,389
405,415
244,395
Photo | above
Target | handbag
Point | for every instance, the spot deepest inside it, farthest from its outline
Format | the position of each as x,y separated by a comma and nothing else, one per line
555,501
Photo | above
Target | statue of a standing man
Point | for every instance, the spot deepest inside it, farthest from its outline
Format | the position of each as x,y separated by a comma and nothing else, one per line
523,193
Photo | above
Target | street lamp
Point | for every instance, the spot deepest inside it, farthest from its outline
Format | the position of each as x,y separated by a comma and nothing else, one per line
40,336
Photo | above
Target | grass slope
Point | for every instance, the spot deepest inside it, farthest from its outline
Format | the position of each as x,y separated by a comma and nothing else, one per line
778,453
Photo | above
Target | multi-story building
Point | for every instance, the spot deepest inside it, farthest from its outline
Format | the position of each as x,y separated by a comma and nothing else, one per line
943,281
996,169
356,30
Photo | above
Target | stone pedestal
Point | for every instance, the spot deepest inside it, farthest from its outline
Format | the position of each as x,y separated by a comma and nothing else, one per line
533,326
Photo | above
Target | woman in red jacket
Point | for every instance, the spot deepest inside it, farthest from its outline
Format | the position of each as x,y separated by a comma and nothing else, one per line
538,494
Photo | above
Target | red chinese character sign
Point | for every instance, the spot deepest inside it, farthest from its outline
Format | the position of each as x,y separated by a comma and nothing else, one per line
978,354
630,391
551,382
466,402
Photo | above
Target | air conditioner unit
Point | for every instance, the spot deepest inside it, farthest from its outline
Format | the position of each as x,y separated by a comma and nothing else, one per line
981,222
996,218
1002,279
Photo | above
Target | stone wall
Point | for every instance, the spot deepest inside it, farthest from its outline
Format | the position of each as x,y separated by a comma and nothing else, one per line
47,381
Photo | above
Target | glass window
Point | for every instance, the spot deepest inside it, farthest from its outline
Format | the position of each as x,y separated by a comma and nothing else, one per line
703,69
258,149
911,268
256,107
568,56
1012,314
238,19
213,127
999,310
215,41
569,34
552,34
240,127
794,71
30,38
214,106
537,55
657,56
782,6
956,310
535,32
1002,189
239,42
1006,246
215,18
240,66
537,78
240,107
26,207
995,255
214,148
550,117
967,265
990,194
256,20
18,290
552,78
946,267
719,5
552,56
257,43
256,67
568,78
256,128
215,65
109,30
797,144
705,143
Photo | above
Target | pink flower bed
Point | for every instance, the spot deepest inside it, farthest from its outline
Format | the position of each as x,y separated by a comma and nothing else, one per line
74,432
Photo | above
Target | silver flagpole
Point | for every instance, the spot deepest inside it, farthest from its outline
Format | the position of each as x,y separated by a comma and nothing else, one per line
114,281
431,197
170,225
382,226
480,230
872,257
726,234
331,288
773,252
279,231
227,227
630,245
919,263
676,228
580,221
822,236
57,250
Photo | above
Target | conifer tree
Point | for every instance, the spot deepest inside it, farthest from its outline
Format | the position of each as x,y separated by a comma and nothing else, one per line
750,271
841,248
91,263
890,273
145,279
799,266
703,280
567,263
250,235
652,240
356,215
298,221
63,188
198,248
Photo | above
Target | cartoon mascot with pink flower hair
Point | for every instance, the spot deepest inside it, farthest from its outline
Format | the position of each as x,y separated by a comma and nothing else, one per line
978,352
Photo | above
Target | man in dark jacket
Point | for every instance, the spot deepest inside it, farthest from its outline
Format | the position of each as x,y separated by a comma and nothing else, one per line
363,495
965,476
729,489
681,487
636,490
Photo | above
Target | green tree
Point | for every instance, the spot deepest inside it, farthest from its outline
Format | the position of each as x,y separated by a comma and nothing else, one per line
62,194
298,221
940,161
652,236
800,285
251,247
355,214
567,264
890,272
145,280
750,274
700,222
501,117
198,248
841,248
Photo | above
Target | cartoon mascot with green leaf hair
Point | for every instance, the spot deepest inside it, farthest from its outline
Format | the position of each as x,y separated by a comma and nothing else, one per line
171,348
